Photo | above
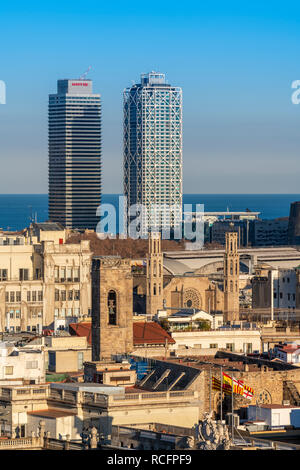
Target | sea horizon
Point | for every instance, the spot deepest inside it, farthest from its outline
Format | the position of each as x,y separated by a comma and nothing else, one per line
18,210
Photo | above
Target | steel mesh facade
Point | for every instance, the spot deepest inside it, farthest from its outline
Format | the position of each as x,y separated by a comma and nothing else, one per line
153,148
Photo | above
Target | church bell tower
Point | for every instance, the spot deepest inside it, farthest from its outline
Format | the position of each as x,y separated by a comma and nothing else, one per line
231,278
154,275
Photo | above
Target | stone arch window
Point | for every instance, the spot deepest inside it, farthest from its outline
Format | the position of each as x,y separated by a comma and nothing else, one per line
231,286
264,397
112,307
154,268
231,267
191,299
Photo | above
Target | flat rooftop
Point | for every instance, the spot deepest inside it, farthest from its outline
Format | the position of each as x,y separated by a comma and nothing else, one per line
49,226
89,387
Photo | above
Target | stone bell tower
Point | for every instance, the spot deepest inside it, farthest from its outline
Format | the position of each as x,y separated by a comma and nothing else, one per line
231,278
154,275
112,307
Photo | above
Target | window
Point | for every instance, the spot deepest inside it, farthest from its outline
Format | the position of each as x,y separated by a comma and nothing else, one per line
56,295
31,364
3,274
23,274
112,307
12,296
69,274
22,430
63,295
40,295
76,274
28,296
70,295
6,297
213,346
9,370
76,295
18,296
230,346
62,274
34,296
247,347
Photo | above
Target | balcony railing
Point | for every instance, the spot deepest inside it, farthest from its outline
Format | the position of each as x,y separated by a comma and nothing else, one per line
154,397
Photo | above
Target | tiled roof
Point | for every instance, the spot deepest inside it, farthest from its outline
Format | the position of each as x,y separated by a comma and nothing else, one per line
143,333
150,333
51,413
82,329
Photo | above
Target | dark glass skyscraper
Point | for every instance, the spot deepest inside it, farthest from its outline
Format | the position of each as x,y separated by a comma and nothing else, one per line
74,154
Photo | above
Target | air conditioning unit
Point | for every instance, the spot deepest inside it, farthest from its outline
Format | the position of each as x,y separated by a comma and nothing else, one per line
235,417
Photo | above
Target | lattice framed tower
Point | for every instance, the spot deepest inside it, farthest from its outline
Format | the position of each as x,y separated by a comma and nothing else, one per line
153,149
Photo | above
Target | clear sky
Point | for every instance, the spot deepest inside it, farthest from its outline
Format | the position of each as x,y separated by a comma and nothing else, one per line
234,60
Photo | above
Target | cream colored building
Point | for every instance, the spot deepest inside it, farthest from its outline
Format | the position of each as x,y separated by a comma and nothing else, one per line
236,340
62,353
43,281
75,406
19,365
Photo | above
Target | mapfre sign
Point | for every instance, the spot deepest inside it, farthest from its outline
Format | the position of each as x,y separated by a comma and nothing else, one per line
80,84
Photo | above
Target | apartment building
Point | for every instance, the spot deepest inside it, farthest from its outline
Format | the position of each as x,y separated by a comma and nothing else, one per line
44,282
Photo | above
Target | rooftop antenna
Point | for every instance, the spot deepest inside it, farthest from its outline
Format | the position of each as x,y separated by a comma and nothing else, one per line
82,77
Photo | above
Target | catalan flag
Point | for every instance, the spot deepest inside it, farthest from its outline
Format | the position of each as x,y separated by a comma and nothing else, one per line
248,392
230,384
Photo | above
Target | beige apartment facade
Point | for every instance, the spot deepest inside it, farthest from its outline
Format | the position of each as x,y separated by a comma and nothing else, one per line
43,283
69,408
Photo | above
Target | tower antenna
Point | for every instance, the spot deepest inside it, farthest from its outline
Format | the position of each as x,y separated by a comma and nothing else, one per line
82,77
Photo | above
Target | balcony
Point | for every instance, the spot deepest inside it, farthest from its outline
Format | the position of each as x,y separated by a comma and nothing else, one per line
154,397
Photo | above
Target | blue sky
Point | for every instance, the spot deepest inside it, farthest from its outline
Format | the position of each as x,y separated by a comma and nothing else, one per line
234,62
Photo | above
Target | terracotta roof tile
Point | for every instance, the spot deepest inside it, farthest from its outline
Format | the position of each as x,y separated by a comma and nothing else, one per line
150,333
143,333
82,329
